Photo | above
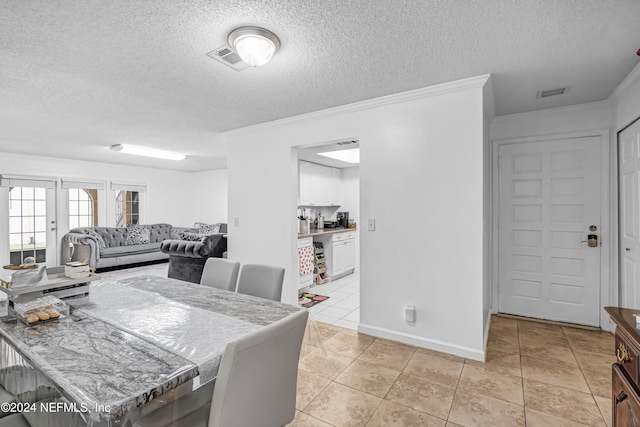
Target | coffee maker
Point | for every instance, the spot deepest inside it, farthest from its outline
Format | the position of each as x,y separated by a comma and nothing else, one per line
343,219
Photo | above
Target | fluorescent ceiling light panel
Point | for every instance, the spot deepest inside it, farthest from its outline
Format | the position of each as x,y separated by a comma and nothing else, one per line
147,152
349,156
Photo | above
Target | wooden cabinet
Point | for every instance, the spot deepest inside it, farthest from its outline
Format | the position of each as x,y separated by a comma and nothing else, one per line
319,185
625,390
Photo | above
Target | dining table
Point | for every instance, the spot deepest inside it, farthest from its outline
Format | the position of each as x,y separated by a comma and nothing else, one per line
133,345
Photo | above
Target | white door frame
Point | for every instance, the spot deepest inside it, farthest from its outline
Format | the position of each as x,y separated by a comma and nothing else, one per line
609,210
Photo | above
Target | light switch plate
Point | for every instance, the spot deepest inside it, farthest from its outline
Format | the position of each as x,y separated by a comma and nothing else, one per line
371,225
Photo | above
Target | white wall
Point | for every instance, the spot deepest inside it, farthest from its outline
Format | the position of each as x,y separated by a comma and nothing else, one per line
208,197
172,197
421,160
626,100
350,201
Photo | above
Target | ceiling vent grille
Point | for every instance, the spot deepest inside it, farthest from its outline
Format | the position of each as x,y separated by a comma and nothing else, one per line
551,92
347,142
229,57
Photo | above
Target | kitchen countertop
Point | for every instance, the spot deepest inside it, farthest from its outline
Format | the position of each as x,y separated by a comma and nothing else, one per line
324,232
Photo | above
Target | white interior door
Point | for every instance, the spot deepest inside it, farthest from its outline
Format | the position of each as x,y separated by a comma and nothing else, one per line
629,161
550,195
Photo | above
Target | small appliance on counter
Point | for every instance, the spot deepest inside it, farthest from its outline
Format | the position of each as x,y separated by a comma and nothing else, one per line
343,219
330,224
319,222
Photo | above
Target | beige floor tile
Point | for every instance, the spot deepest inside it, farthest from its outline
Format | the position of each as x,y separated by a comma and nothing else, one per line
596,369
507,363
348,344
304,420
505,387
390,414
396,343
325,364
422,395
309,386
562,402
450,424
441,355
389,356
541,419
558,373
604,404
470,409
543,333
326,330
590,341
340,405
367,377
504,321
503,343
546,351
434,368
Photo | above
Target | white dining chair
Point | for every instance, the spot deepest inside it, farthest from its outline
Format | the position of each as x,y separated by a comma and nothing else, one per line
220,273
256,383
14,420
264,281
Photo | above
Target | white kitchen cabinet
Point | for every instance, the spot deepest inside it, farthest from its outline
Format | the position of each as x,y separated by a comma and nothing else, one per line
319,185
339,252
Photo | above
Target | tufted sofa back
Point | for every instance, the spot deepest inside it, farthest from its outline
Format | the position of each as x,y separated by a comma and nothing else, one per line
117,236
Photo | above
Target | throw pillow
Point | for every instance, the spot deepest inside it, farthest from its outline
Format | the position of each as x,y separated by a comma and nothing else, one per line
93,233
190,236
138,234
209,229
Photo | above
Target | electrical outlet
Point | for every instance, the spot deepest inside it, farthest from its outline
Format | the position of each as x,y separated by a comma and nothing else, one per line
371,225
236,222
410,313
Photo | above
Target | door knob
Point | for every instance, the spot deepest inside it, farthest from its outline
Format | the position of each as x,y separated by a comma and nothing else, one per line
627,249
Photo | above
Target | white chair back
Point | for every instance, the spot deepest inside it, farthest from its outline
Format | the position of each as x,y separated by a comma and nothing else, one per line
256,383
220,273
264,281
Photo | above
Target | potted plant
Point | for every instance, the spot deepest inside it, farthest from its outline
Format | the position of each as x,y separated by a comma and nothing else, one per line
303,224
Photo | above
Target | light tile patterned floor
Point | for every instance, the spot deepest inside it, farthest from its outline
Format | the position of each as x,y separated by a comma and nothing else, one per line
536,374
343,306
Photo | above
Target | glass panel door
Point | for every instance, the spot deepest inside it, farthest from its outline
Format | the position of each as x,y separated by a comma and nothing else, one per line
32,225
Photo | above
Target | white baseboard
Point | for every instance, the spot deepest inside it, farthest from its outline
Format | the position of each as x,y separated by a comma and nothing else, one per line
442,346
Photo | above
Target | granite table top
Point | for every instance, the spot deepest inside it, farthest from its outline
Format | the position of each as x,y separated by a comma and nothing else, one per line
138,338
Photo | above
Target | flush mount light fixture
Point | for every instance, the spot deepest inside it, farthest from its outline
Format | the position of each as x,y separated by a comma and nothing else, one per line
147,152
255,45
349,156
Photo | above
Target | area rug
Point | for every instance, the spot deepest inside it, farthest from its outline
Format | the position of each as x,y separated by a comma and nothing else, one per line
307,299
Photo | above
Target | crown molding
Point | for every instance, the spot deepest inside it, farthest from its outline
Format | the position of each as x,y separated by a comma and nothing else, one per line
551,112
629,82
396,98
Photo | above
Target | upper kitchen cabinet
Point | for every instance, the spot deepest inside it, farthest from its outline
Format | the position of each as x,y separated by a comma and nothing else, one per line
319,185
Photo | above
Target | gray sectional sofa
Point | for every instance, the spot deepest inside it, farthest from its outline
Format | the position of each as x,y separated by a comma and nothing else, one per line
103,247
116,251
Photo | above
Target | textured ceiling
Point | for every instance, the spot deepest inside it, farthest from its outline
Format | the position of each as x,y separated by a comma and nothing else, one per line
79,76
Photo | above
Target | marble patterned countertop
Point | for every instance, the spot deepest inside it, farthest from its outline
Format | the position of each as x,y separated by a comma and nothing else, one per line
314,232
138,338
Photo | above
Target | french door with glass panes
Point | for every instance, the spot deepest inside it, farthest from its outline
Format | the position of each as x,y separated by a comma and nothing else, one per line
32,222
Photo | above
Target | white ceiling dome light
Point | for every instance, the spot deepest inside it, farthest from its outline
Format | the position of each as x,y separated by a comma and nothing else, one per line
255,45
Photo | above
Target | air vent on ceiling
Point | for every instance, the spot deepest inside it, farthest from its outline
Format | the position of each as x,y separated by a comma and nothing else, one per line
552,92
228,56
347,142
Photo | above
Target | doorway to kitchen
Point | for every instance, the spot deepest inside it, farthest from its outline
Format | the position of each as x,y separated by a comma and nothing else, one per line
329,196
